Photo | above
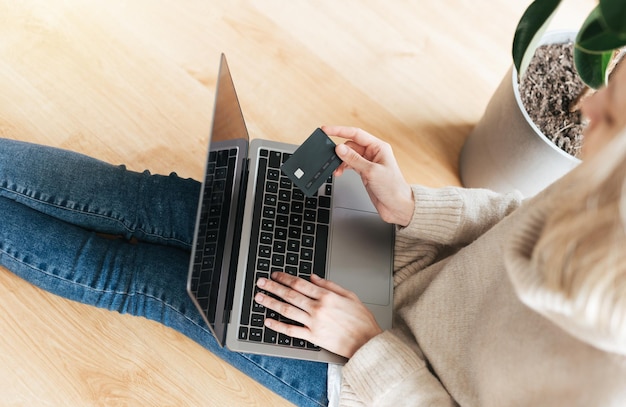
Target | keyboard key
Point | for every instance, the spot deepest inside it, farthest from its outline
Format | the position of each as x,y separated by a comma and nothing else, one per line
271,187
282,221
220,173
263,265
209,249
299,343
266,238
285,183
307,240
275,159
283,208
284,340
295,232
323,215
270,336
297,195
280,233
279,246
270,199
329,189
293,245
292,259
260,274
306,255
256,334
295,219
222,158
306,267
324,201
310,215
256,307
284,195
272,314
273,174
312,346
297,207
278,260
219,185
265,251
311,203
257,320
269,212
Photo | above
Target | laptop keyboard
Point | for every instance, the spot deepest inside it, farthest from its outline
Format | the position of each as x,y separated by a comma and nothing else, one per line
213,224
290,236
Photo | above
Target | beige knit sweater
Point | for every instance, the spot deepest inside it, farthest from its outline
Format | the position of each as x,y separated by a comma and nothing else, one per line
462,335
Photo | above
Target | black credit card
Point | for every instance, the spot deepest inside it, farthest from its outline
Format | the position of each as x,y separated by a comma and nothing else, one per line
312,163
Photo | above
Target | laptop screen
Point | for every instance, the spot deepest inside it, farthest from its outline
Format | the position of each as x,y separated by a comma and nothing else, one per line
228,122
217,235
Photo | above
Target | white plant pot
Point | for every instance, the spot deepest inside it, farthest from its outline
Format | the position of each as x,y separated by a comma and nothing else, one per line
506,151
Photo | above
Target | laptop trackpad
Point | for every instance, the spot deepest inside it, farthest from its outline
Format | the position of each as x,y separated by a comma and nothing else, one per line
361,254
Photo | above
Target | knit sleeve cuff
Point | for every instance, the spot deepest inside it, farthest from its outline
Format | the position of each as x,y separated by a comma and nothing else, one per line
436,215
379,366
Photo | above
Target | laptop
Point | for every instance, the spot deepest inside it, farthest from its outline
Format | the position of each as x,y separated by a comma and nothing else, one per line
253,221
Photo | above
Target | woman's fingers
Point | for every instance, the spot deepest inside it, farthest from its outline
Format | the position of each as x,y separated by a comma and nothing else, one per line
332,286
355,134
320,311
288,311
288,283
297,294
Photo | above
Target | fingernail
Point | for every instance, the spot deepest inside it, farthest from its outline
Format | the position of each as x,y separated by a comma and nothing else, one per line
261,282
342,149
259,297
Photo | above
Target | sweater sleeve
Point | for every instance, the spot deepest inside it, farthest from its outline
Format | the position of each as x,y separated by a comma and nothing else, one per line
455,216
387,371
443,220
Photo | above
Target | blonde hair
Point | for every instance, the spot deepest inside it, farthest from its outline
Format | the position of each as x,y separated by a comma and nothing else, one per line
582,249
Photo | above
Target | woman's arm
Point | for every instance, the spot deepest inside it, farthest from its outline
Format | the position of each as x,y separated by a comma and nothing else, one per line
449,216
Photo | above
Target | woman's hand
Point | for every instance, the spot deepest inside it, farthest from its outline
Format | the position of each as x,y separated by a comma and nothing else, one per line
374,161
332,317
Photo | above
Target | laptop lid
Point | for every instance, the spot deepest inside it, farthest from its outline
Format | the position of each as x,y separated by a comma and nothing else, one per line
217,232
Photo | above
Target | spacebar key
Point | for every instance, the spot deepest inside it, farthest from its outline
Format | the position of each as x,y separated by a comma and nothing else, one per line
321,245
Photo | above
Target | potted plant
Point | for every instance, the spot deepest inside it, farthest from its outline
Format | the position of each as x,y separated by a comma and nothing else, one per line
507,150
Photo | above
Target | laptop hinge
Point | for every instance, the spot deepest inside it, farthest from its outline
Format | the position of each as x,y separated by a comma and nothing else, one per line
234,258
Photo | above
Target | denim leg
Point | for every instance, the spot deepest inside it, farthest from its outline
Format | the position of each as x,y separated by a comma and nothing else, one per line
98,196
142,279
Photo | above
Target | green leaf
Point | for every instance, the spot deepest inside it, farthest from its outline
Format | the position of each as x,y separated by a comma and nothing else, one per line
595,36
614,13
529,30
591,67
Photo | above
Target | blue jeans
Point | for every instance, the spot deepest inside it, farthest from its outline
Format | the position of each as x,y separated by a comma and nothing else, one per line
55,205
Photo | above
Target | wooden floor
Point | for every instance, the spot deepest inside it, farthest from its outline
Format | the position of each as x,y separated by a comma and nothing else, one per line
133,82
